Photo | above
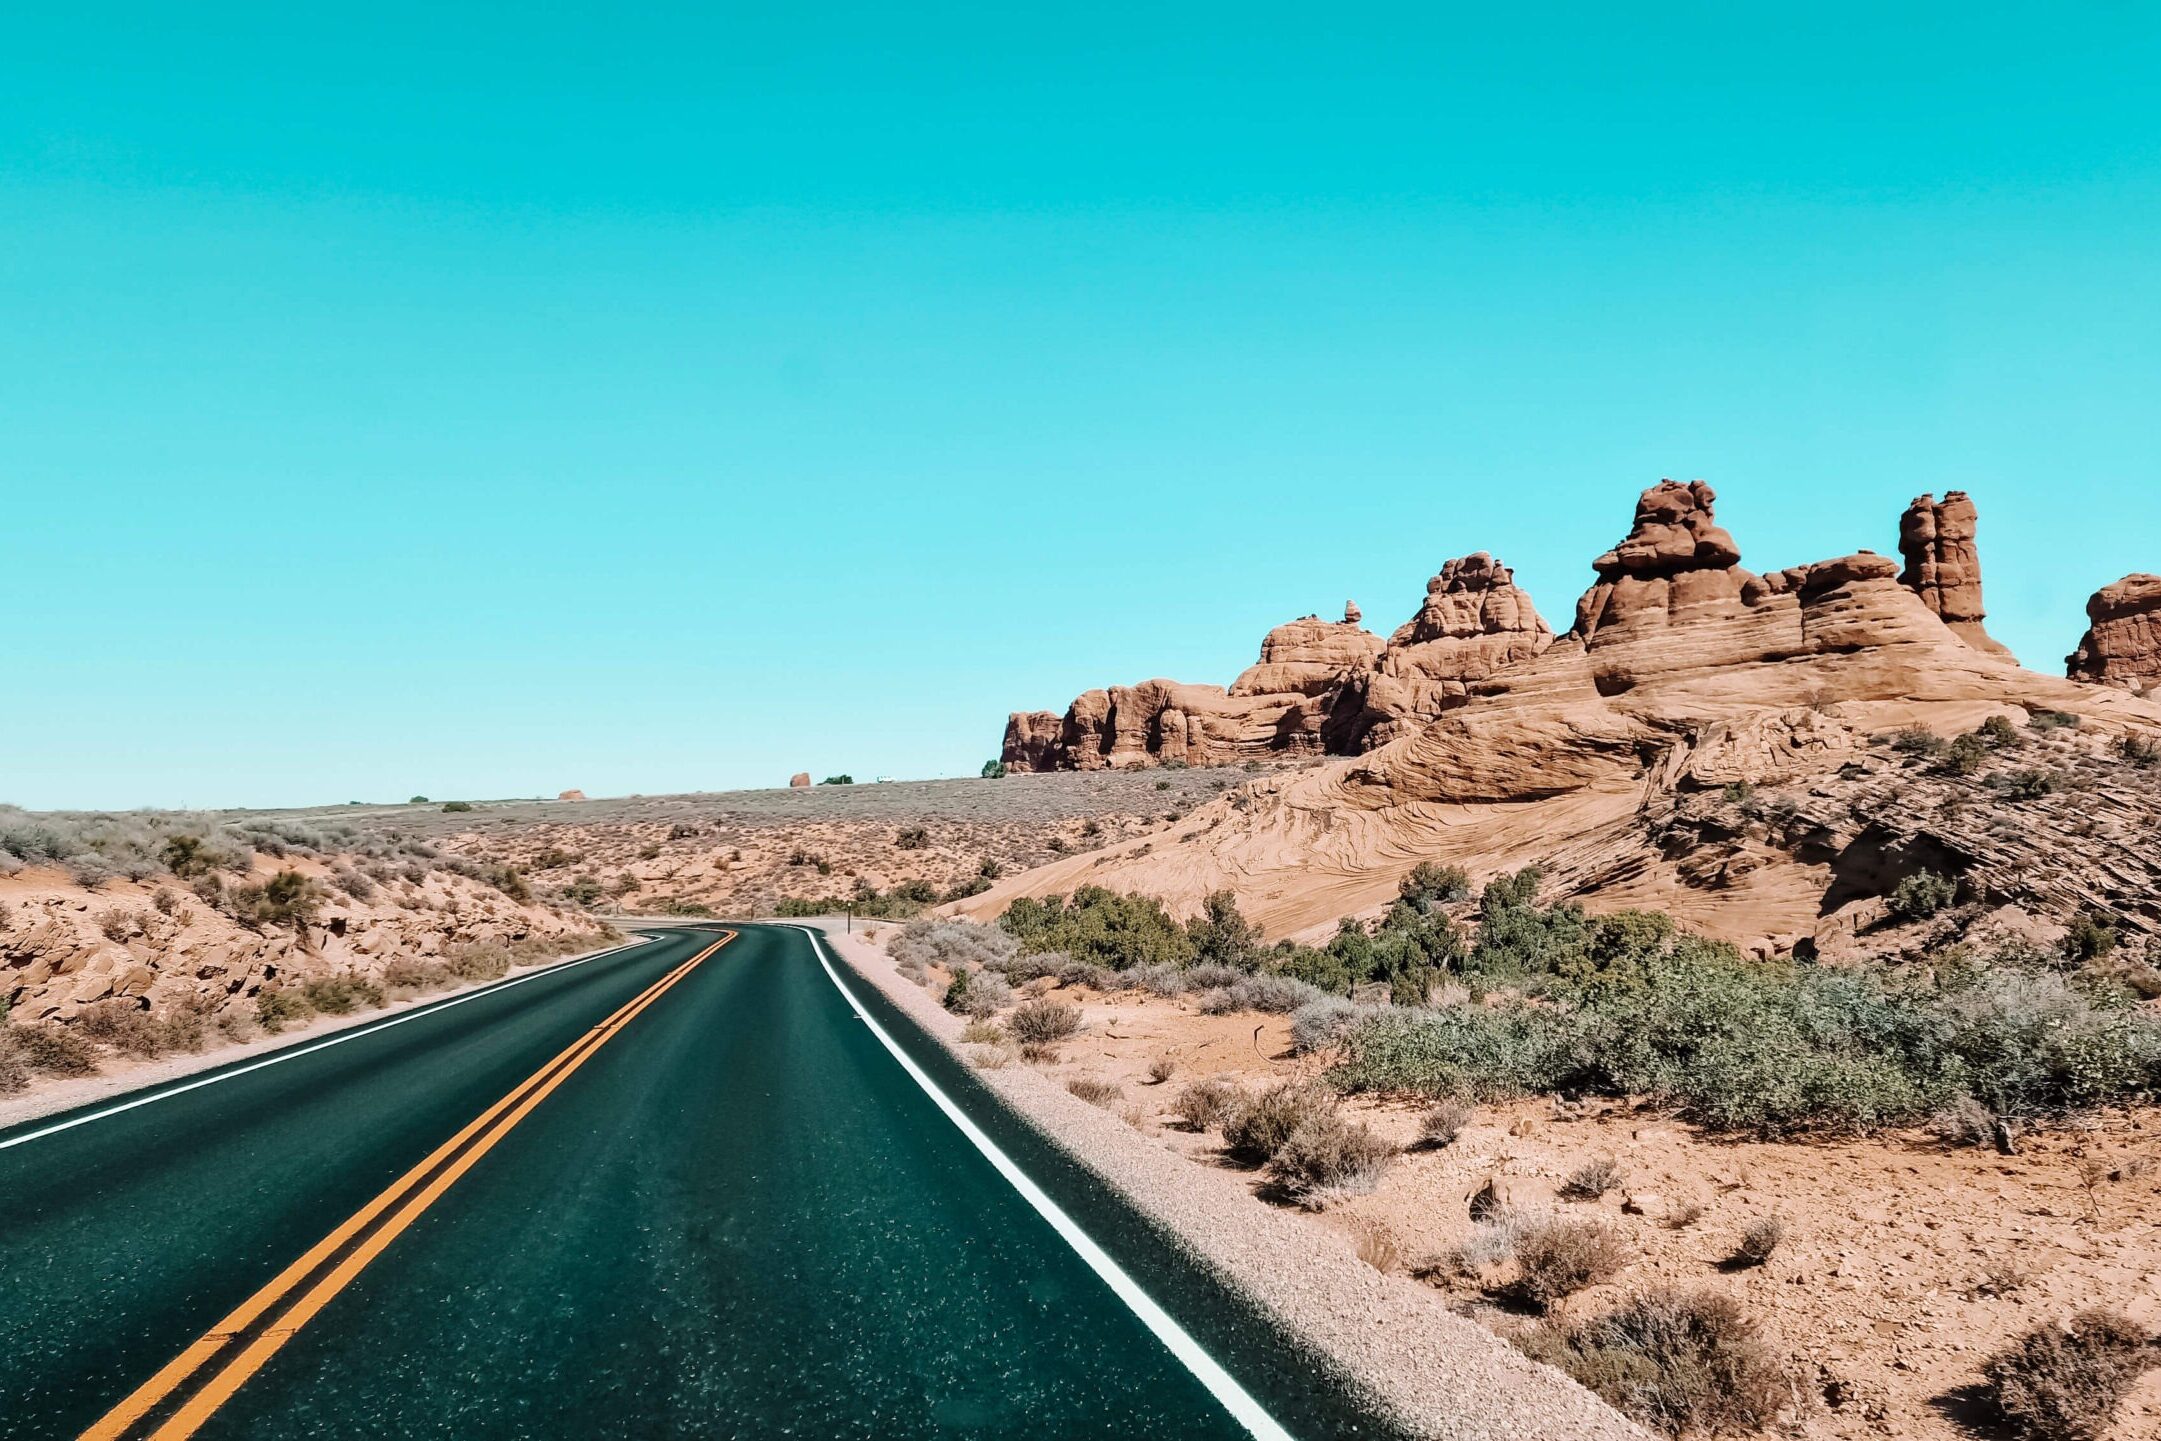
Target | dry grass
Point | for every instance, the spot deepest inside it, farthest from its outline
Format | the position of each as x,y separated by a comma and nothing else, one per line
2064,1381
1043,1022
1095,1090
1442,1123
1205,1105
1680,1362
1593,1179
1556,1258
1263,1125
1759,1241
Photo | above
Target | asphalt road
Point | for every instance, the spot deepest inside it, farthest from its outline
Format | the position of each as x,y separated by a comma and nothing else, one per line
673,1191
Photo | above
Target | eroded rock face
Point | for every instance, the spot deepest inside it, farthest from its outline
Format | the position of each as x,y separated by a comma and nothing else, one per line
1310,657
2122,644
1677,563
1320,687
1943,563
570,795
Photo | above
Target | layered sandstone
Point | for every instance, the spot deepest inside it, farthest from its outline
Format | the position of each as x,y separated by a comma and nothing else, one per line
1319,687
1943,563
2122,644
1684,672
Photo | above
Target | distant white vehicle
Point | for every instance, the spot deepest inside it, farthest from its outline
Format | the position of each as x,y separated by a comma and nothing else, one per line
884,780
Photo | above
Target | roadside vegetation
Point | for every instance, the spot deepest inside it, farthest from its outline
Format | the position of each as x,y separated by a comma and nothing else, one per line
128,1028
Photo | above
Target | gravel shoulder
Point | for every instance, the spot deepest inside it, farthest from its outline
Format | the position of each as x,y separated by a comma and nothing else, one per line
1426,1370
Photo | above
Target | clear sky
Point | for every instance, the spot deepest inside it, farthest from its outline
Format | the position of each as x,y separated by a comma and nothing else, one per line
484,400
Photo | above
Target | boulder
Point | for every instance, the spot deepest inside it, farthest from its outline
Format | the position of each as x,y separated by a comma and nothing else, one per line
800,780
2122,644
571,795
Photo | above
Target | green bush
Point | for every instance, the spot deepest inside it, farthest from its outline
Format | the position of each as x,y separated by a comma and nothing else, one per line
55,1050
843,779
1043,1022
994,770
455,807
276,1009
286,899
1100,927
1923,894
1327,1156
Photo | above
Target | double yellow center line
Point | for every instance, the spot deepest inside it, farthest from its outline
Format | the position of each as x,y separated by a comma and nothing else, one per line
205,1376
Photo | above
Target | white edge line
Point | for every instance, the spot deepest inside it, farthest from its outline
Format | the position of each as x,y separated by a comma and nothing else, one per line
1233,1397
339,1039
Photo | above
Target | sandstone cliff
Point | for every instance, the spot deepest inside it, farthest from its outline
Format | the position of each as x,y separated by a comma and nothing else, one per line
1683,673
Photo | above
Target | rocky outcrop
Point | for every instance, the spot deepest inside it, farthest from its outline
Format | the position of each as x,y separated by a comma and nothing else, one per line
1943,563
1310,657
1684,672
1475,622
2122,644
799,781
1319,687
571,795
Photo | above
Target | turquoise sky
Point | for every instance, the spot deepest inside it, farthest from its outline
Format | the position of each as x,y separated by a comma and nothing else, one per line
488,400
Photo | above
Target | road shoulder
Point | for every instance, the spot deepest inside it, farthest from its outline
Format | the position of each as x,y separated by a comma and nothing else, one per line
1426,1370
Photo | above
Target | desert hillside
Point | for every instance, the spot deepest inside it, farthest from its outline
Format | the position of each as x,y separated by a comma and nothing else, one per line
1767,757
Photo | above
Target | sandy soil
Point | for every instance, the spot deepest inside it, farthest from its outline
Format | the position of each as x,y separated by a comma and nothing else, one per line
1904,1262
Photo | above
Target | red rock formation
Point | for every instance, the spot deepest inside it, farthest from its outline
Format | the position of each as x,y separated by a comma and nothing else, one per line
571,795
1320,687
799,781
1309,657
1684,672
1943,563
2122,644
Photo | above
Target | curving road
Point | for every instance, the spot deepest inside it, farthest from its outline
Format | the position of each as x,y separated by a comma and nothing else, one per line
682,1189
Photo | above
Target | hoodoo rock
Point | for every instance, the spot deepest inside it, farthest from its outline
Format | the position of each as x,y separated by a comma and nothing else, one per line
1677,563
2122,644
1943,563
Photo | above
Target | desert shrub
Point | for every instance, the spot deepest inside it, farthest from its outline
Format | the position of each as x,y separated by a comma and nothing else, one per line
409,974
1101,927
2140,750
456,807
471,961
55,1050
341,995
286,899
1322,1022
1759,1241
275,1009
352,882
1262,1126
1275,995
993,770
1095,1090
1205,1105
1997,733
14,1065
955,944
1429,885
1556,1258
1326,1156
1923,894
1917,741
1593,1179
1043,1022
2064,1382
911,838
2029,785
843,779
1222,936
89,872
977,993
1963,1122
2051,720
980,1032
1440,1124
1084,973
1165,981
2089,938
1161,1069
1966,756
123,1025
1492,1053
1684,1363
2023,1041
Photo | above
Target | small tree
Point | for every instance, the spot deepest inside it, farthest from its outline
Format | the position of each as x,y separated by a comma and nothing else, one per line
994,770
843,779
